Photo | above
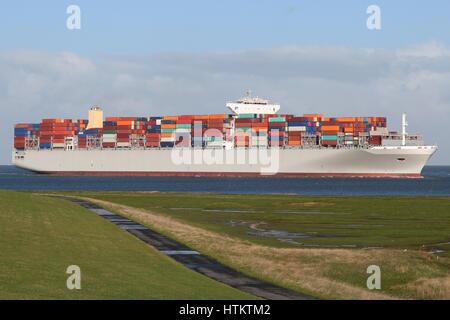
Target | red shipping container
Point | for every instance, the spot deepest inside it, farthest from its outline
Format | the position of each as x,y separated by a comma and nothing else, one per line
184,120
375,140
329,142
152,144
243,124
108,145
277,124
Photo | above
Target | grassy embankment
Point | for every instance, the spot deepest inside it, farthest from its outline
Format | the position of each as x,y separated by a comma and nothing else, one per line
40,237
317,245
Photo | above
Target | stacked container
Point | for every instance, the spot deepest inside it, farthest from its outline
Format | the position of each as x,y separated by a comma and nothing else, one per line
244,130
23,131
216,130
277,130
109,137
153,133
53,133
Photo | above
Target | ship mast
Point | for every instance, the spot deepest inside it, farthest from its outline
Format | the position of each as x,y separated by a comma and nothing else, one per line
404,125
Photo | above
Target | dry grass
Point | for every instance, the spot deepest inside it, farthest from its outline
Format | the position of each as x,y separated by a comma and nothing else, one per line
305,270
310,204
438,288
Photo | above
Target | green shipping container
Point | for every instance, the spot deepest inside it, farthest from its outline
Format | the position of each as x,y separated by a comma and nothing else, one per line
247,116
167,130
277,119
184,126
329,138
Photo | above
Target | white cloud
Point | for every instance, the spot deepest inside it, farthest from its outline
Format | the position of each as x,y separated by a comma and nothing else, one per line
332,80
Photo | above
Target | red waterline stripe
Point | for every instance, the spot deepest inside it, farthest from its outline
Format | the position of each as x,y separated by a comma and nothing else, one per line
232,174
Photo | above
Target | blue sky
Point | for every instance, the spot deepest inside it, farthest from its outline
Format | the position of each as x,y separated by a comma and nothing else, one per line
133,27
169,57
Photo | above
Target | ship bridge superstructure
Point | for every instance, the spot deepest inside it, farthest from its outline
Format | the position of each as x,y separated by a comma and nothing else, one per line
255,105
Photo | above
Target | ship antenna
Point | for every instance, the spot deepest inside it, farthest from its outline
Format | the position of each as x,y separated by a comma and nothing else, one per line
249,93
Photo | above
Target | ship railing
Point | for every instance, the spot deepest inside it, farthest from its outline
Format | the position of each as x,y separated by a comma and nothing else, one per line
399,136
95,143
32,143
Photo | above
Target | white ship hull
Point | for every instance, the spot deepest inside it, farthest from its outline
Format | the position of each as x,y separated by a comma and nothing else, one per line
407,161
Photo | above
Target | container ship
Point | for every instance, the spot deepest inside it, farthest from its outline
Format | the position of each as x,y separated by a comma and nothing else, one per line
252,139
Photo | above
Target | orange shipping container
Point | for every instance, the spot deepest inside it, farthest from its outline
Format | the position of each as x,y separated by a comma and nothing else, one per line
22,125
313,115
167,135
124,122
330,128
168,126
348,129
170,117
217,116
200,117
346,119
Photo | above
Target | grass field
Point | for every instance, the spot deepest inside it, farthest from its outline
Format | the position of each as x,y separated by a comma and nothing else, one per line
40,237
317,245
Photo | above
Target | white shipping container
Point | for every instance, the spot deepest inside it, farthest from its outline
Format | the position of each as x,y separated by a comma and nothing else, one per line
168,139
158,122
123,144
214,143
296,128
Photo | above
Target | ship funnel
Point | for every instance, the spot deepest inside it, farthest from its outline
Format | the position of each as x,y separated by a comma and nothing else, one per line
95,117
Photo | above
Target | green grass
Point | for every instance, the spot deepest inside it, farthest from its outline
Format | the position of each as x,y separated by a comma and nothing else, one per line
415,225
389,222
41,236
